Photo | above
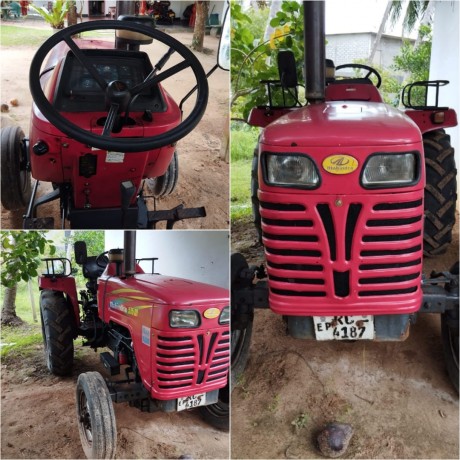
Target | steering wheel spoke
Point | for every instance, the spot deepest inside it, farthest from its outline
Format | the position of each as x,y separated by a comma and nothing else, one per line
159,77
84,62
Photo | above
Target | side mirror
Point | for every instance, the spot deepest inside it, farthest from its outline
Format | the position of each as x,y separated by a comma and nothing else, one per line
81,254
223,57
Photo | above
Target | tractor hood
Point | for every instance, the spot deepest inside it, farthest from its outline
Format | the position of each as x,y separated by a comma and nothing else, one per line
350,123
169,290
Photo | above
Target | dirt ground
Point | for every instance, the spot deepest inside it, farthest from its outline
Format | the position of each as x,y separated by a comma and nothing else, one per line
39,418
397,396
203,174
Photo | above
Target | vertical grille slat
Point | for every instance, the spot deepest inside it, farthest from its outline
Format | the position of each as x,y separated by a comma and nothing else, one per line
328,223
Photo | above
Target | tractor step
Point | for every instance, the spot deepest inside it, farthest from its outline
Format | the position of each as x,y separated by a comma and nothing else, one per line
110,363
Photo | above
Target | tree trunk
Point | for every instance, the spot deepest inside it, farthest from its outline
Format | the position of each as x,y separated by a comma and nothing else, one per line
202,8
72,14
9,317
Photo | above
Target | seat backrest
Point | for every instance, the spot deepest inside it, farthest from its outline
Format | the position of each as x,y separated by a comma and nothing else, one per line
352,92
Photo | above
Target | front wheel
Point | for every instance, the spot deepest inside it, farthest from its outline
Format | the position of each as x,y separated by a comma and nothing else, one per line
241,327
165,184
449,336
217,415
16,185
96,417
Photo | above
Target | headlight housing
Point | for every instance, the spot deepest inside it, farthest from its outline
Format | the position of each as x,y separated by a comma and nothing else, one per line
184,319
290,170
224,317
386,170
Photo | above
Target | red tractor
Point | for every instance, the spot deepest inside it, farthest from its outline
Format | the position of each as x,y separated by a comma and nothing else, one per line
348,193
101,124
168,338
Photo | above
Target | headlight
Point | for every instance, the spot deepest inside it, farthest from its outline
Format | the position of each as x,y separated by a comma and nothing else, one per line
184,318
390,169
224,317
290,170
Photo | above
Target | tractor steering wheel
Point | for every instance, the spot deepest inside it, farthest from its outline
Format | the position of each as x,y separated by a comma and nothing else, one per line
365,67
117,92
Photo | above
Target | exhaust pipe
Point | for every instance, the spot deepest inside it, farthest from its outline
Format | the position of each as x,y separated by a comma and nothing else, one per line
315,50
130,252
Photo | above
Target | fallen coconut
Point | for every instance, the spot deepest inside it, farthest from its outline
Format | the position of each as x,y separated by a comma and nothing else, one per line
334,439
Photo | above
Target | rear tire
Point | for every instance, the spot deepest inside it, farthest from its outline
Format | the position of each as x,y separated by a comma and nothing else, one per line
165,184
241,338
440,192
217,415
58,330
16,184
96,417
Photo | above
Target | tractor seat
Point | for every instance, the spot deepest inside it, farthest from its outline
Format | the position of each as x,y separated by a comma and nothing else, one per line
339,91
92,271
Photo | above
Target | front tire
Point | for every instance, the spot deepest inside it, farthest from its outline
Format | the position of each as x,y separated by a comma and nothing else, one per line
165,184
217,415
241,336
450,337
58,330
96,417
16,184
440,192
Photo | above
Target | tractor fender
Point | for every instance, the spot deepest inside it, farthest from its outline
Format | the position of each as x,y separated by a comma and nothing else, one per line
424,119
65,285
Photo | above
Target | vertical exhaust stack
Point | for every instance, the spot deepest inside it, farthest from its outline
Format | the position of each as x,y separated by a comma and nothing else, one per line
315,50
130,252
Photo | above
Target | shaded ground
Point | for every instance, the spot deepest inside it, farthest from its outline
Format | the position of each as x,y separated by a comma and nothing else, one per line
39,417
203,175
397,396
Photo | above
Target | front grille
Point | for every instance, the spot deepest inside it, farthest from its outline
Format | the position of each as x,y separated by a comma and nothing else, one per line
190,360
354,248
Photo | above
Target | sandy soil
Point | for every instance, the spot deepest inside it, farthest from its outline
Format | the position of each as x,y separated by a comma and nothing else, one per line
39,417
203,175
397,396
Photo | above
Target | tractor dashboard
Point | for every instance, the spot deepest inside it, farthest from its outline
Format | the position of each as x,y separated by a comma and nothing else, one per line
78,91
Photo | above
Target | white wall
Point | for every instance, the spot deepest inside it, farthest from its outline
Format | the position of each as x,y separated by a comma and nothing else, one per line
445,60
196,255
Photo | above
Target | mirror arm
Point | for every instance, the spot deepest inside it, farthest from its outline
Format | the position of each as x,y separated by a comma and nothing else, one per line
216,66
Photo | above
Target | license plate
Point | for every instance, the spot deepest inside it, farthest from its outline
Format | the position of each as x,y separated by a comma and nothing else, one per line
189,402
344,327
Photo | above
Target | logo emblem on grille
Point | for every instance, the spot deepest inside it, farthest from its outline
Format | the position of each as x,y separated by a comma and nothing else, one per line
211,313
340,164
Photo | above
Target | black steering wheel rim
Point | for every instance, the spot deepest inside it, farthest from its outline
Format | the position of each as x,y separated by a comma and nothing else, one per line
126,144
102,260
365,67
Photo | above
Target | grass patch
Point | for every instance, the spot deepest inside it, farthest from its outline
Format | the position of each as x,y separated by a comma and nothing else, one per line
240,205
243,143
23,36
18,341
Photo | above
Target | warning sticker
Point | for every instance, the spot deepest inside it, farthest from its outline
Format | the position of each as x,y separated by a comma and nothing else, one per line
115,157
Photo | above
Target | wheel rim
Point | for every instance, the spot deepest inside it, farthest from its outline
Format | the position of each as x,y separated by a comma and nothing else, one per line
84,418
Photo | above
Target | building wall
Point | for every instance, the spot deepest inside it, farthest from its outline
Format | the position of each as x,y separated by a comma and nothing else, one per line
199,256
445,61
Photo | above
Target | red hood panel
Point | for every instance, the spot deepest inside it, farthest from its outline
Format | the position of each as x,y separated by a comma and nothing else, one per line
173,291
350,123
